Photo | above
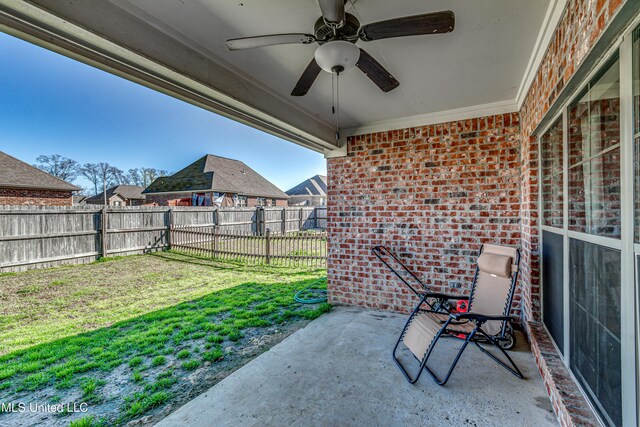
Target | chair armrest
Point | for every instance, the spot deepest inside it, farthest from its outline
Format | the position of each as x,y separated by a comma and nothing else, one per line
439,295
479,317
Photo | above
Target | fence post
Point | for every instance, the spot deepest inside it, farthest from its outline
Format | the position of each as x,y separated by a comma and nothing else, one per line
315,218
284,221
260,222
215,241
268,246
103,232
169,239
301,224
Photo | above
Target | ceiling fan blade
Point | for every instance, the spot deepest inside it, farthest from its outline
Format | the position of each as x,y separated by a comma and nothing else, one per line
429,23
376,72
270,40
332,10
306,79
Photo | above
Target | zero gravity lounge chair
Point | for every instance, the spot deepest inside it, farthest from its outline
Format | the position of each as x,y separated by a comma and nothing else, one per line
486,321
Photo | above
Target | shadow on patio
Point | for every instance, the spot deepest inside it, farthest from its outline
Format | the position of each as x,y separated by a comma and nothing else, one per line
338,371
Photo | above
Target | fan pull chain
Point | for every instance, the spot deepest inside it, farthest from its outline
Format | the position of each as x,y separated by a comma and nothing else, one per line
338,106
333,94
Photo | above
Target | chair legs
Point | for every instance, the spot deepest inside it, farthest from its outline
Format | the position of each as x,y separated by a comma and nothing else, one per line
423,364
513,368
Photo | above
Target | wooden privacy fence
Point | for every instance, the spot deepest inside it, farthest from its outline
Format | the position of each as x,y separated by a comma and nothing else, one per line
299,248
37,237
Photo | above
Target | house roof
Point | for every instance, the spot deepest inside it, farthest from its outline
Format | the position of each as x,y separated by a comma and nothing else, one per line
128,192
314,186
220,174
15,173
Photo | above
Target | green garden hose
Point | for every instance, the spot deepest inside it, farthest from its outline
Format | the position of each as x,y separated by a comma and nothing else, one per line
309,295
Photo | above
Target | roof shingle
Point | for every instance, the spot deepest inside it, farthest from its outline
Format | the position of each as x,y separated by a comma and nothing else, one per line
128,192
15,173
314,186
219,174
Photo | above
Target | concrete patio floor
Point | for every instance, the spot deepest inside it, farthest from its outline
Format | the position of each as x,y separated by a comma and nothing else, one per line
338,371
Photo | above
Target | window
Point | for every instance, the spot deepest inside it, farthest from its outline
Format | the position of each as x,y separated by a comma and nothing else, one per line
117,203
636,129
552,286
261,201
241,201
552,175
594,156
595,326
273,202
584,258
200,199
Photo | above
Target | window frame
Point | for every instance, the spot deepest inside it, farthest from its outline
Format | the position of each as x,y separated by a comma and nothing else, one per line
630,251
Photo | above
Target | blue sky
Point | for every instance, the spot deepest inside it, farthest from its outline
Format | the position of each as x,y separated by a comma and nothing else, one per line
52,104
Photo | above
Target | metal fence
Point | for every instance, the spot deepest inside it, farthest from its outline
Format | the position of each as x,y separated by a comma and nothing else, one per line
38,237
297,248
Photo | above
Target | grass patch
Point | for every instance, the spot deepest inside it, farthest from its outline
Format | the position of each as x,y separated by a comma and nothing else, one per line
213,355
88,421
135,361
216,339
139,403
89,389
158,360
183,354
190,365
60,343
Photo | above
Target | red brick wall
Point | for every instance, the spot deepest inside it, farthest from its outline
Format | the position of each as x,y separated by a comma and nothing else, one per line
165,199
434,194
19,197
253,201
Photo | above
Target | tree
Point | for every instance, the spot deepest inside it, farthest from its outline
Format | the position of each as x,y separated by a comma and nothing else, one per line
151,174
117,177
102,175
92,173
59,166
134,177
109,176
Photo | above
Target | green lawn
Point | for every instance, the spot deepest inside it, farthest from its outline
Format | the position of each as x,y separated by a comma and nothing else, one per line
145,323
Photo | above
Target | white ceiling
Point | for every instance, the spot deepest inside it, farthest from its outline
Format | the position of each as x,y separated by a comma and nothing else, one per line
484,61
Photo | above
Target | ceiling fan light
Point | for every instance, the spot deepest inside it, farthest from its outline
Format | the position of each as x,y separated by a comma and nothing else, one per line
337,55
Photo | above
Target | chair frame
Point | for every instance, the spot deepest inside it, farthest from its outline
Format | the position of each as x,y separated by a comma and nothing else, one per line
477,335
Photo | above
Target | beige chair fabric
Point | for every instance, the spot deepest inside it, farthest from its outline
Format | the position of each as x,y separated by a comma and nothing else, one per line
493,284
497,265
490,295
420,334
423,329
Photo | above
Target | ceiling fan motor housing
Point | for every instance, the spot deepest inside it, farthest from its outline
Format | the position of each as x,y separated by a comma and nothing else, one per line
349,30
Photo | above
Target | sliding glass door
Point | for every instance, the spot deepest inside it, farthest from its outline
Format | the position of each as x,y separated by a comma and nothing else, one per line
595,263
590,234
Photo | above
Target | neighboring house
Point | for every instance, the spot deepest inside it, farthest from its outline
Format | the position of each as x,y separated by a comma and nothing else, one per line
23,184
120,195
215,180
79,199
312,192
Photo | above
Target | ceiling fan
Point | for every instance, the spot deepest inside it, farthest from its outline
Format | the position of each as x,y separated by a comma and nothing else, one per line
337,32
